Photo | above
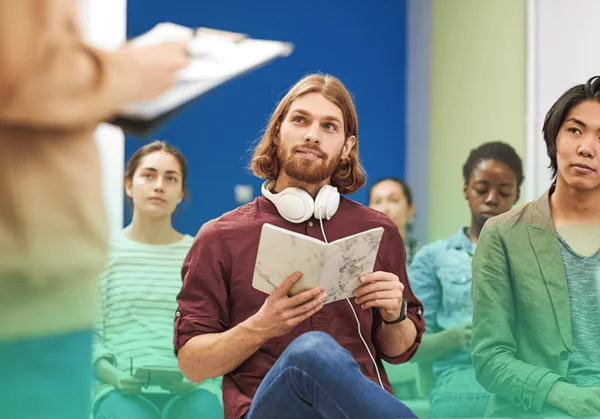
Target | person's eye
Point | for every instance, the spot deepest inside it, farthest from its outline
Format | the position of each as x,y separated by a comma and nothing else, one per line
299,119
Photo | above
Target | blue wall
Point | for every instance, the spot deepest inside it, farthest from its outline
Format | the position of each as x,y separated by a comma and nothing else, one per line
363,45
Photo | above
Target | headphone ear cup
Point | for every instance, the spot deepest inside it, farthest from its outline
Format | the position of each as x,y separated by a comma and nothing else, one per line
326,202
293,204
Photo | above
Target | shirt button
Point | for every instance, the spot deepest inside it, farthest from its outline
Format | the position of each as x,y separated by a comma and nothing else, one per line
310,223
564,355
177,314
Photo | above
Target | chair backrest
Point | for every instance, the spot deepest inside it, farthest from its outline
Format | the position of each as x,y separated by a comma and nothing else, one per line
404,380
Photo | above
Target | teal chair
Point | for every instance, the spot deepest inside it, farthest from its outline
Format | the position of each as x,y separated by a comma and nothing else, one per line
404,379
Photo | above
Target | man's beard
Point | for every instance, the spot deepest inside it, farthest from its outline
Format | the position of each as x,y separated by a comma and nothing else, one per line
307,170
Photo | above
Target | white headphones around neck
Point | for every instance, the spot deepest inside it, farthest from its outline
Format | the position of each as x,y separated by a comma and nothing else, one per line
296,205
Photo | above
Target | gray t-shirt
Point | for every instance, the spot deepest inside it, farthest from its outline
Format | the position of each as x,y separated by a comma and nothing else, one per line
584,297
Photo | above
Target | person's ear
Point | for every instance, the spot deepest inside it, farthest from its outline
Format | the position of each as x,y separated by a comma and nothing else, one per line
128,188
349,144
411,211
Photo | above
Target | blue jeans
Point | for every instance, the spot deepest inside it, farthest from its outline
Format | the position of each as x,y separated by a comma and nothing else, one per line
457,394
316,378
199,404
48,377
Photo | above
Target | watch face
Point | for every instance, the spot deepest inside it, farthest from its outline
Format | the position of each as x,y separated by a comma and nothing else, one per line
403,312
404,309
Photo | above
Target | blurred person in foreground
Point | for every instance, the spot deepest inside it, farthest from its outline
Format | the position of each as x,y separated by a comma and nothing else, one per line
54,91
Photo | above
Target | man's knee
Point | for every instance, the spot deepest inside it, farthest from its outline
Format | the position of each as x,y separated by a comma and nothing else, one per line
315,348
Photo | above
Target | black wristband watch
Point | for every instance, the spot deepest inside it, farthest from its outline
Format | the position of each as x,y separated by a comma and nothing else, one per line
402,316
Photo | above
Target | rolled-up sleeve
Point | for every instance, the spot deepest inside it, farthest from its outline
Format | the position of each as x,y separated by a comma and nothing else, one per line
203,302
393,259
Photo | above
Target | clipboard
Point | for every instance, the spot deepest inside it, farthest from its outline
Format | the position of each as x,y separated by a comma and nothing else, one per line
216,57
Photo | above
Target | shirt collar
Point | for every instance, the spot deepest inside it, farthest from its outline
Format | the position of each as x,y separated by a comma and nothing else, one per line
460,241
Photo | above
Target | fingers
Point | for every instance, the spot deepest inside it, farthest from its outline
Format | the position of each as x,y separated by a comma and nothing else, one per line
372,287
306,307
133,380
378,286
178,53
285,287
382,290
306,315
383,303
181,44
378,276
174,54
185,53
395,294
304,296
131,385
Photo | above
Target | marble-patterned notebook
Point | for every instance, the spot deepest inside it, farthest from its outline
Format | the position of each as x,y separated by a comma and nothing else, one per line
336,266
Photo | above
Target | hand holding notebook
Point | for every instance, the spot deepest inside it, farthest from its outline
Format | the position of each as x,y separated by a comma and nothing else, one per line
336,266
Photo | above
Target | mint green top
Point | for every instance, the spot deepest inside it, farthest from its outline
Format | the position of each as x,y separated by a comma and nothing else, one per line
138,290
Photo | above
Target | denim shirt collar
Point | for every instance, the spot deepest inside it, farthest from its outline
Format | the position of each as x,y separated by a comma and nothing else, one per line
460,241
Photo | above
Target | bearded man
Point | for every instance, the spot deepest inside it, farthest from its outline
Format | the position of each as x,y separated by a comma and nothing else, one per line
286,356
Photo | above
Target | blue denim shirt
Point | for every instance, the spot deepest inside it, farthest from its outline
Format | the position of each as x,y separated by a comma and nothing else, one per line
440,276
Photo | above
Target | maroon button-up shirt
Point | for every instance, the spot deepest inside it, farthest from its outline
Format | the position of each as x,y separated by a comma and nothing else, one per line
217,292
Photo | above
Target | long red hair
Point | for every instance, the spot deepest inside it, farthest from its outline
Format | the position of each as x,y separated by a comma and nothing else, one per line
349,176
